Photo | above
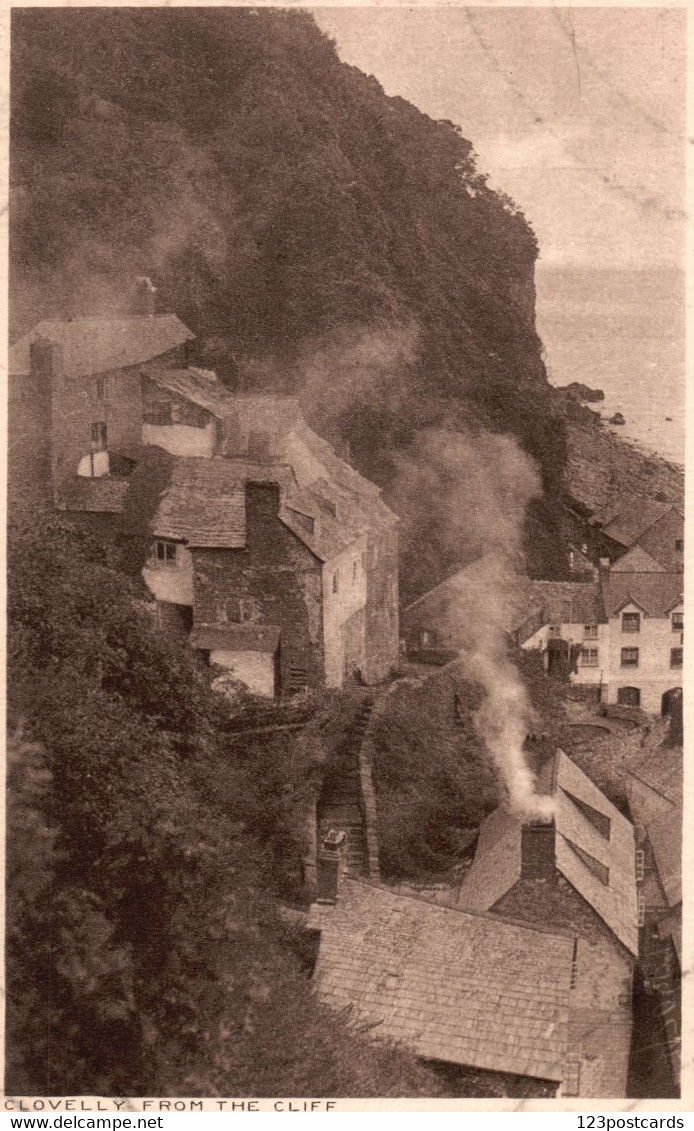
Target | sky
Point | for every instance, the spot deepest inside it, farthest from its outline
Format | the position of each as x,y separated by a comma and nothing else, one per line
576,113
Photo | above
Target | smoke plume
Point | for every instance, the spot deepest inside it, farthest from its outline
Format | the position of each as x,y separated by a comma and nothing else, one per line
470,491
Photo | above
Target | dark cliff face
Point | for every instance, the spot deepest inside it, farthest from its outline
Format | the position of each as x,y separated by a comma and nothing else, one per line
312,232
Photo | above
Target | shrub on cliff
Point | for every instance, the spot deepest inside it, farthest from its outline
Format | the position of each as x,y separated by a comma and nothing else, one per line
145,954
433,780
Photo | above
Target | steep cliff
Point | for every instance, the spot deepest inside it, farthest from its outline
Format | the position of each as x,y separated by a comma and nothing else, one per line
313,232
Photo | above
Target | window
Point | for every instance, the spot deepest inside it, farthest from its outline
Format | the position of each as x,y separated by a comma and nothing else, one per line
630,657
99,440
164,554
555,630
679,545
676,657
159,413
640,864
677,622
589,657
102,387
641,908
336,581
631,622
629,696
354,569
572,1077
590,631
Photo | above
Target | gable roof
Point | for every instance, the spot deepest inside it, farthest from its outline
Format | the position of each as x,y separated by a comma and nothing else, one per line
203,505
554,602
636,560
325,502
467,989
601,869
263,412
99,345
656,593
632,517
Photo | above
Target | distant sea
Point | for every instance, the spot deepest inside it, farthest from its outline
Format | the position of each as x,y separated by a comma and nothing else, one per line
622,332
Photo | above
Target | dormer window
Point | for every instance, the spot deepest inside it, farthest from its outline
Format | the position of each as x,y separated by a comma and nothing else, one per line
163,555
677,622
555,631
590,631
631,622
679,545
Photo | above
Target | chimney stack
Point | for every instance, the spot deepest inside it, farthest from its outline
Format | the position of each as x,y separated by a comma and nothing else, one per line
538,850
330,866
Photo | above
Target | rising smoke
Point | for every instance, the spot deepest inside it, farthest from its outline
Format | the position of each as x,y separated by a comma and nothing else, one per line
470,491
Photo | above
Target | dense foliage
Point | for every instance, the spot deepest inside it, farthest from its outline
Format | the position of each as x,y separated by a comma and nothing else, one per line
433,780
145,951
316,234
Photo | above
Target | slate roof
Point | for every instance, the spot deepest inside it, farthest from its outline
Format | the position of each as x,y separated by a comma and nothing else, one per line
632,517
658,809
467,989
656,593
665,836
99,345
204,504
317,484
236,637
582,854
102,495
636,560
268,412
661,771
557,602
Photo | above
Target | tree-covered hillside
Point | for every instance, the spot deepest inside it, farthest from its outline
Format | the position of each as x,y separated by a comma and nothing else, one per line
314,233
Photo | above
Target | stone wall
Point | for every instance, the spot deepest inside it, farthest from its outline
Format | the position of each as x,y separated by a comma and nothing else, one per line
276,577
600,1002
382,603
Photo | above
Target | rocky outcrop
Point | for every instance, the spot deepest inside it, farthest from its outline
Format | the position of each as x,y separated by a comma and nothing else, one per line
579,392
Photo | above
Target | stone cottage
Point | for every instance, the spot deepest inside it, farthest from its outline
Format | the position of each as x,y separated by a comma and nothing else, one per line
276,558
576,873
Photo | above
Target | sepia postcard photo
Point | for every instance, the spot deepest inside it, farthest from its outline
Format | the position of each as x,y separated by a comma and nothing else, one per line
345,557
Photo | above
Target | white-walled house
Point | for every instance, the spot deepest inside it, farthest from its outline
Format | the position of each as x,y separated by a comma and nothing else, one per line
646,638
